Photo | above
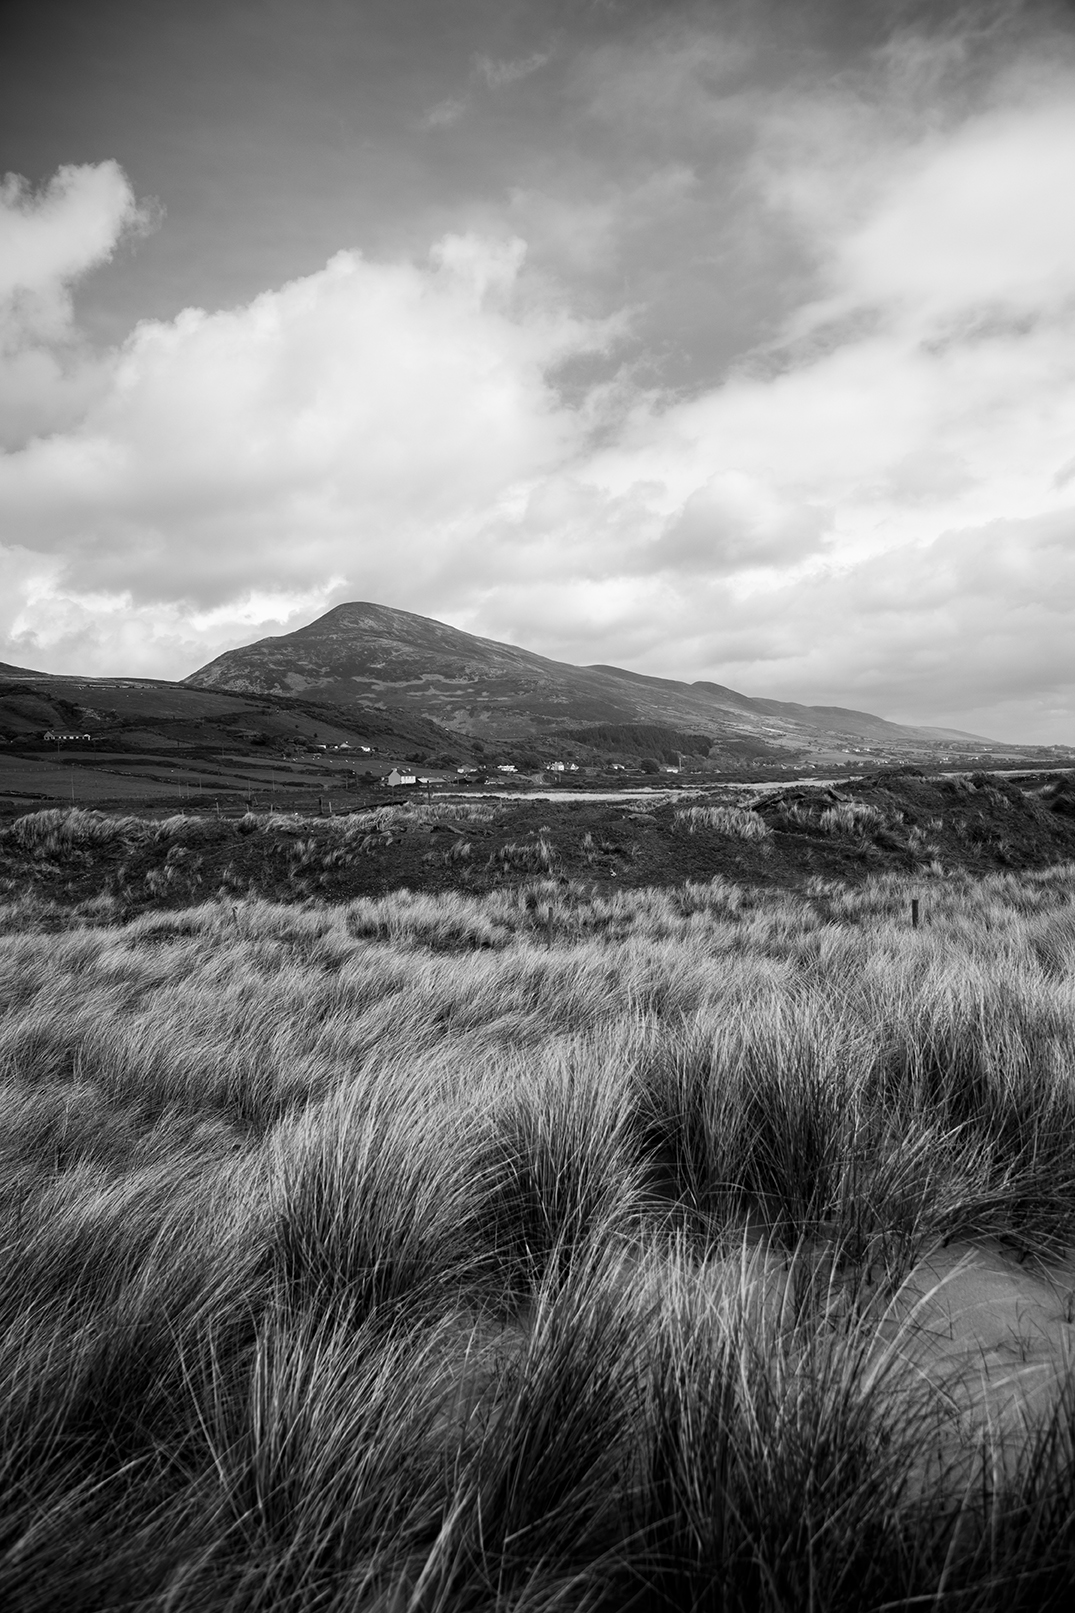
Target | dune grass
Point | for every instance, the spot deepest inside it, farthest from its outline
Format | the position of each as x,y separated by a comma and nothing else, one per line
741,823
536,1252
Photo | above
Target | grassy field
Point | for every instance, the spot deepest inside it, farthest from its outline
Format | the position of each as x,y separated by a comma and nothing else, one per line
936,829
533,1250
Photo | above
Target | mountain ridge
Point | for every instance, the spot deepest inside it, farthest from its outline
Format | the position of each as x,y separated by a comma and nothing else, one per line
360,652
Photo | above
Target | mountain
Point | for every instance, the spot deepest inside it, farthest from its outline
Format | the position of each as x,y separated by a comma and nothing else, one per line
366,655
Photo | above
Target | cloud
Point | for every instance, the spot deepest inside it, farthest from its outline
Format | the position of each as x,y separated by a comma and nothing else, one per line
968,231
495,74
732,524
444,114
498,73
48,239
970,629
357,423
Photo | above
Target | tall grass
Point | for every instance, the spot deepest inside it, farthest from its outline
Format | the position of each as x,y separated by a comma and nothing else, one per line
741,823
850,817
541,1251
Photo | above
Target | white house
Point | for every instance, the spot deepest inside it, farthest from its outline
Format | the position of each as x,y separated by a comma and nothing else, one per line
396,777
506,767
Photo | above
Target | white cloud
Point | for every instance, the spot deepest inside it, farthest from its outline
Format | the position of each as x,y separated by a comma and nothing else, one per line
971,226
360,422
50,237
47,240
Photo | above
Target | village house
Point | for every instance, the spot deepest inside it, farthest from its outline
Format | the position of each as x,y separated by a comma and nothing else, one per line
396,777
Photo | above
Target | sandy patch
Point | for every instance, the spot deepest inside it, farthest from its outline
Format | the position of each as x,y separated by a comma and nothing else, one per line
998,1334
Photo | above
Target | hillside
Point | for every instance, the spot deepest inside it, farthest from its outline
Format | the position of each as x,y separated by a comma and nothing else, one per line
129,741
398,662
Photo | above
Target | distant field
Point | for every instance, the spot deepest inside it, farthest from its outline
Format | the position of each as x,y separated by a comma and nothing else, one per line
105,778
33,776
535,1250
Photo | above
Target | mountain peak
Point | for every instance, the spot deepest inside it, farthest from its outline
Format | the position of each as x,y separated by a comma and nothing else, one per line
361,653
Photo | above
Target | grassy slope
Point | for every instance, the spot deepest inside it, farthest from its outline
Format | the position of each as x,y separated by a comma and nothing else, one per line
523,1251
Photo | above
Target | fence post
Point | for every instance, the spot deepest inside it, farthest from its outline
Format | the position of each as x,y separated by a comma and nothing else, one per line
914,912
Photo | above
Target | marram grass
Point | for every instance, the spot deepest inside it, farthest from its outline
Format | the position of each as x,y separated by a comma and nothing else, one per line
421,1254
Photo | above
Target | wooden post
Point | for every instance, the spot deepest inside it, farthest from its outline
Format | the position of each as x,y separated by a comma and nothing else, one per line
914,912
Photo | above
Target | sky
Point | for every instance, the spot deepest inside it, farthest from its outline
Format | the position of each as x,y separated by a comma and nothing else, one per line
729,340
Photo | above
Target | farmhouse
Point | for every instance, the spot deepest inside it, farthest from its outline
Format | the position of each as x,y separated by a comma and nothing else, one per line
396,777
56,737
